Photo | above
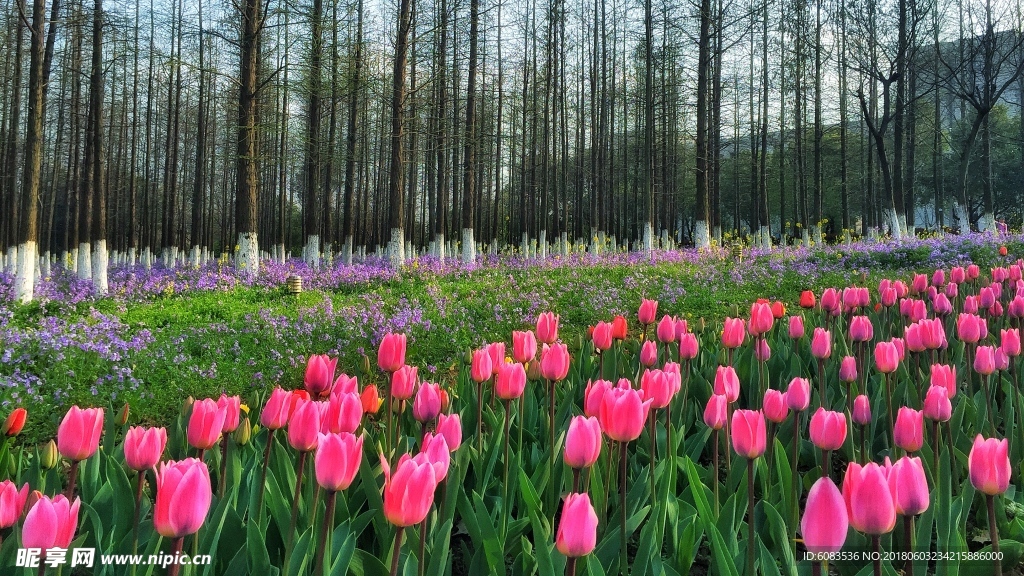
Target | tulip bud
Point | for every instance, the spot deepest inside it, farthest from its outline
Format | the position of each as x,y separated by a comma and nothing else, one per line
364,365
48,456
14,423
243,433
186,407
122,416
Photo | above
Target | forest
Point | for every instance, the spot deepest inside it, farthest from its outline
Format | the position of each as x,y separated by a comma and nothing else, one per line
176,133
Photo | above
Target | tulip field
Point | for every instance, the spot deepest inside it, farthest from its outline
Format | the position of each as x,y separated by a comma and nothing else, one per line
849,410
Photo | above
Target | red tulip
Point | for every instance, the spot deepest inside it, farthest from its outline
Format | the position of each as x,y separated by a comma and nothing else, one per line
774,406
12,502
887,357
688,346
796,327
985,360
450,426
14,422
619,328
778,310
78,436
748,433
337,460
807,299
50,523
554,362
577,527
862,410
989,465
821,344
427,404
143,447
648,311
623,413
206,423
715,412
798,395
547,328
183,496
828,429
319,374
727,383
582,442
666,330
869,502
409,492
825,521
391,352
908,486
733,333
510,382
909,431
524,346
649,353
304,426
761,318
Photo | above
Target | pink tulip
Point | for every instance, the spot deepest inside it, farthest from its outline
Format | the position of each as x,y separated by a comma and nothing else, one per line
649,353
970,306
658,386
749,436
343,413
909,431
1016,308
985,360
666,331
887,357
733,333
830,300
183,496
319,374
496,350
901,348
868,499
821,344
481,368
945,376
12,503
968,328
1010,342
524,346
205,424
762,352
79,433
828,429
450,426
232,406
912,338
681,328
143,447
761,318
304,426
774,406
547,328
986,297
848,369
278,408
623,413
435,450
727,383
920,283
688,346
796,327
798,395
715,412
862,410
952,290
50,523
594,395
582,442
937,406
861,329
337,460
391,352
577,527
403,382
409,492
908,486
345,384
554,362
888,297
1002,360
648,311
957,275
941,305
510,382
938,277
989,465
825,521
427,404
973,271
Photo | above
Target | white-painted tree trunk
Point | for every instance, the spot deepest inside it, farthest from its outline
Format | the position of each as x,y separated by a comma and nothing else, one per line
12,259
816,233
100,262
987,223
766,237
44,265
84,261
194,256
346,251
133,256
542,245
962,220
311,251
648,238
468,246
396,248
893,221
247,257
24,279
717,233
701,238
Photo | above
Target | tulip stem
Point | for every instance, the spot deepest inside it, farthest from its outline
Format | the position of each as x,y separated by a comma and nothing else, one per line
575,480
908,541
506,507
876,544
654,449
298,494
714,468
325,533
422,568
993,532
935,450
795,465
479,416
140,481
263,475
570,566
42,563
397,552
176,546
863,445
69,493
223,465
750,516
991,416
623,561
816,569
888,401
821,383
